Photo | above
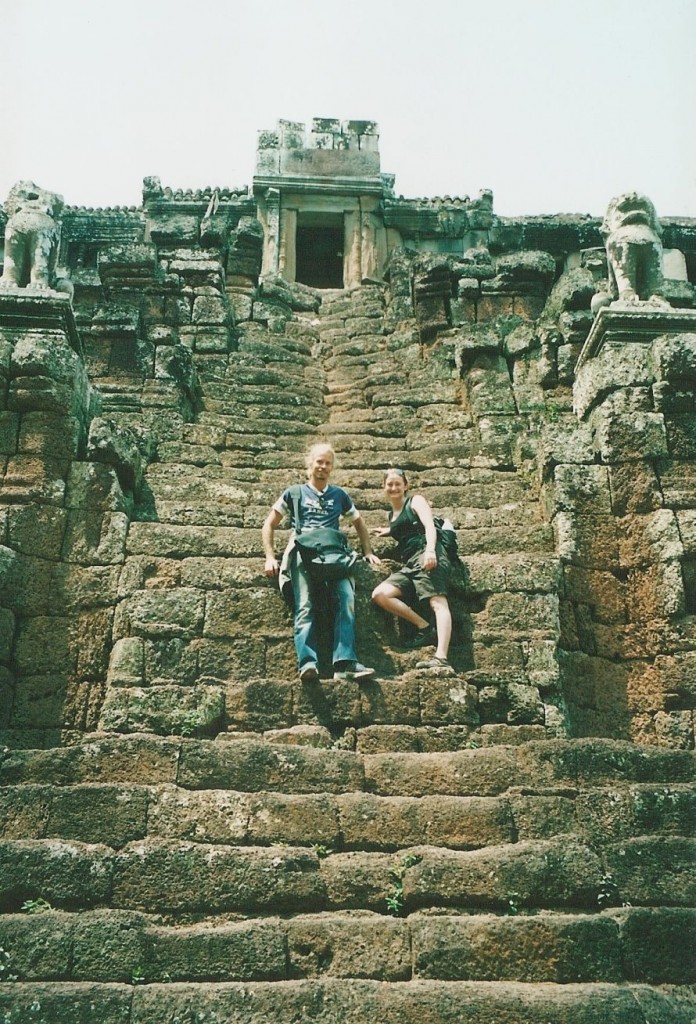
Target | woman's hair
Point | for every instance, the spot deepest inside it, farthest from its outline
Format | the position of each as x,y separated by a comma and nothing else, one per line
320,446
393,471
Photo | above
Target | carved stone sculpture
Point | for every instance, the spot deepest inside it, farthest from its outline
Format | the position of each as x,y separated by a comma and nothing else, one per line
632,232
31,237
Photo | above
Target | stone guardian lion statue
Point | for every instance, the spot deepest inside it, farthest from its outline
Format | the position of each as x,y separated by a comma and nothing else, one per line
31,237
631,233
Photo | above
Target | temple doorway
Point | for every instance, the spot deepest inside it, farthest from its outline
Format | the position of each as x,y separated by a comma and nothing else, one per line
319,250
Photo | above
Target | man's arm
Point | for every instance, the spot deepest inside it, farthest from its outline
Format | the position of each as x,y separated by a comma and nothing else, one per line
361,530
271,522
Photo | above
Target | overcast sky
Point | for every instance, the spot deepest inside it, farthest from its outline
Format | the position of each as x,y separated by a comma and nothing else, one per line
555,105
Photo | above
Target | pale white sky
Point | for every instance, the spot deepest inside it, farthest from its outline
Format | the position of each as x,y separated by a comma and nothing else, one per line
556,105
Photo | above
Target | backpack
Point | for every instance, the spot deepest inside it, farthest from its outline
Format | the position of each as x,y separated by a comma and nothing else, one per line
447,537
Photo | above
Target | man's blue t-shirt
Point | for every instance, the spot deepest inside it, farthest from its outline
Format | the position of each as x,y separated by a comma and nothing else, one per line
318,508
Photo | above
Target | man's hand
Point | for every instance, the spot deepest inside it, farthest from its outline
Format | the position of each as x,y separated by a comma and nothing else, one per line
271,567
372,559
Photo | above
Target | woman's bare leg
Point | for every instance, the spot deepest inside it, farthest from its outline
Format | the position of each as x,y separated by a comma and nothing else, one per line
389,597
443,624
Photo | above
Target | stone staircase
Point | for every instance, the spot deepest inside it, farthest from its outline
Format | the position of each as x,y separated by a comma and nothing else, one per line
235,846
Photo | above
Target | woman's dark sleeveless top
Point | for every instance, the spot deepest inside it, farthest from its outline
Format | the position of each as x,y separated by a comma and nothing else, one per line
408,532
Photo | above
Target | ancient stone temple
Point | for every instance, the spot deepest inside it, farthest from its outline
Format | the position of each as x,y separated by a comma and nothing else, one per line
188,832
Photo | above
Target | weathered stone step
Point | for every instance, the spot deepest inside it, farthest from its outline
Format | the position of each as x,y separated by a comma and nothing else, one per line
259,396
632,944
245,371
349,1001
308,414
173,876
254,766
245,422
255,339
168,541
118,814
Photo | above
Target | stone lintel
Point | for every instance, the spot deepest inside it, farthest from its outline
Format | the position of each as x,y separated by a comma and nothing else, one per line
343,186
634,324
29,310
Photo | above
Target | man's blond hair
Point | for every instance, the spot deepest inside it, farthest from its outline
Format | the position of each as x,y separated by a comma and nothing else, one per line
320,446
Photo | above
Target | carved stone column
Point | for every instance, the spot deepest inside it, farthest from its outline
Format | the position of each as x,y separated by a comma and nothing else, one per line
287,262
271,249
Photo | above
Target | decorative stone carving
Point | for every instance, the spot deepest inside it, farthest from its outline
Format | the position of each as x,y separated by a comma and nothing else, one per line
31,239
632,231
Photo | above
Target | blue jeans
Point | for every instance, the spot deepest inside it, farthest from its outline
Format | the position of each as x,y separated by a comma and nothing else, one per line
340,591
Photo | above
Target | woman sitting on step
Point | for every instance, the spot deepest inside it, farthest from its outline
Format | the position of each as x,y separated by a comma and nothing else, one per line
424,573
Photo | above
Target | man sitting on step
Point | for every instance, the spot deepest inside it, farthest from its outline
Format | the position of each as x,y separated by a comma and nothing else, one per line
320,504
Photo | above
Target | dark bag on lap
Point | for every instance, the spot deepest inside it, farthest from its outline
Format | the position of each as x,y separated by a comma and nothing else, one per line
325,554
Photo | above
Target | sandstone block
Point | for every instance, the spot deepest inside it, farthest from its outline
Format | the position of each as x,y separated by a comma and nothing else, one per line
24,812
110,946
9,432
332,703
213,816
640,810
164,613
259,704
392,822
259,766
41,949
95,537
562,872
348,946
243,611
390,702
165,710
57,871
71,1003
246,950
161,875
542,817
29,478
447,701
617,365
127,662
656,944
281,818
629,437
42,644
49,434
582,489
37,531
650,870
536,949
113,815
465,773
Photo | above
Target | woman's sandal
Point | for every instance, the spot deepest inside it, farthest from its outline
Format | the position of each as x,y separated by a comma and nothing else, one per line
435,663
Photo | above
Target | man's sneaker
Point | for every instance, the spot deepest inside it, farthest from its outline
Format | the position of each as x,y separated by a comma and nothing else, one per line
352,670
440,664
425,637
309,674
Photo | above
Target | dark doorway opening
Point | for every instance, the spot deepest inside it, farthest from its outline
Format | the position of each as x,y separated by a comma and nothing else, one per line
319,252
